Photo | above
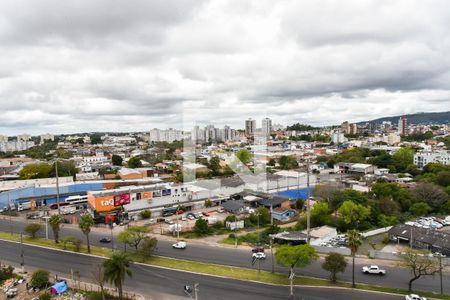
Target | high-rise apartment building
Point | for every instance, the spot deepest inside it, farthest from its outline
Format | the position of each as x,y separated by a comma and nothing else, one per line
266,126
402,126
250,127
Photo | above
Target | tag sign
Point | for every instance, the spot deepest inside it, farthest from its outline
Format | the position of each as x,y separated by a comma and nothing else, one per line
292,275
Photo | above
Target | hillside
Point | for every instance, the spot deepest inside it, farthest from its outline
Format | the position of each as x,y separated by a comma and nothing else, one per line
419,118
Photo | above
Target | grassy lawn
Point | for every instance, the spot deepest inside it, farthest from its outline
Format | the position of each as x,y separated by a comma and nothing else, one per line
217,270
372,243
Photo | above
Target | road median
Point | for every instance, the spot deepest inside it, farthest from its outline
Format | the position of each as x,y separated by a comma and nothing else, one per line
210,269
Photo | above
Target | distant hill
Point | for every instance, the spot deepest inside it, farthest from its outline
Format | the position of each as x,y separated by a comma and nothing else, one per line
419,118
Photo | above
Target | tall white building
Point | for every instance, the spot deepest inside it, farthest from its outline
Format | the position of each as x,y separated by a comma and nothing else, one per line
402,126
250,127
15,146
266,126
3,138
24,137
47,137
423,158
338,138
170,135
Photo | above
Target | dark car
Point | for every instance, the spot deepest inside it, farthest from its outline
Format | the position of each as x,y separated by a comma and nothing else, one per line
105,240
258,250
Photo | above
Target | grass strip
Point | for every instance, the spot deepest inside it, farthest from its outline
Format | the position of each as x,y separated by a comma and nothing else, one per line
218,270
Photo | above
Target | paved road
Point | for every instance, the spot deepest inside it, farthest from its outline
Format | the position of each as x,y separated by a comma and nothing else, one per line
157,283
396,277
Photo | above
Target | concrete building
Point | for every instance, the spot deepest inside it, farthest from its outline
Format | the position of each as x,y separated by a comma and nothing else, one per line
24,137
338,138
402,126
423,158
15,146
3,138
47,137
266,126
170,135
250,127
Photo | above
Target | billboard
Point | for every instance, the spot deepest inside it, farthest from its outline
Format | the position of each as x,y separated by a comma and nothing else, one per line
122,199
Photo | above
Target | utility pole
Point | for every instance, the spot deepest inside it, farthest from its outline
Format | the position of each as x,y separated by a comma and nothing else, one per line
308,206
271,252
10,216
196,290
57,186
22,261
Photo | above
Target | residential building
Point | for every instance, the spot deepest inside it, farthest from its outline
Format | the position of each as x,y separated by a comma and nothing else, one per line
250,127
3,138
338,138
170,135
266,126
47,137
15,145
345,127
402,126
423,158
24,137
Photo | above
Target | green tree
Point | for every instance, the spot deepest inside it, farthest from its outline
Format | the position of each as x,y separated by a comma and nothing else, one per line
116,160
134,162
287,162
295,256
201,227
33,171
65,168
85,225
208,203
334,263
214,165
403,158
420,209
39,278
354,241
443,178
264,216
271,162
116,269
32,229
133,236
244,156
431,194
353,214
147,247
55,222
320,214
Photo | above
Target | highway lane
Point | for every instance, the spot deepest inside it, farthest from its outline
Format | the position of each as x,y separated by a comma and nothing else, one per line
156,283
396,277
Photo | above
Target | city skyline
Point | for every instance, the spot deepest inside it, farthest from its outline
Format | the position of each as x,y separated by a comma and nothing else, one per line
132,68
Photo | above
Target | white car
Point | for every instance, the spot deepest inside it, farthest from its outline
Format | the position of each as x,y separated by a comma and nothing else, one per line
373,270
179,245
414,297
259,255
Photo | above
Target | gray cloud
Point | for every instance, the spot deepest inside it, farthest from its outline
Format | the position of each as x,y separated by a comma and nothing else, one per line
99,65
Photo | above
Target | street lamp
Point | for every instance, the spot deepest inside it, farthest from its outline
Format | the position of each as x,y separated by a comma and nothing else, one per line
440,256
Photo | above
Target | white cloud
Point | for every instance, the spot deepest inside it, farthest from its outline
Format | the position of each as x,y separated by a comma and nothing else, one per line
131,66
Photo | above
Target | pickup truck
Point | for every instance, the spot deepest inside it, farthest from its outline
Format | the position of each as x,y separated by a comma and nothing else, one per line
373,270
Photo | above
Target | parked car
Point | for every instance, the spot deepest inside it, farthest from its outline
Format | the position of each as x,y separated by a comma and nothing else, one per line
414,297
220,210
179,245
180,212
150,222
11,293
190,217
205,213
105,240
169,221
373,270
259,255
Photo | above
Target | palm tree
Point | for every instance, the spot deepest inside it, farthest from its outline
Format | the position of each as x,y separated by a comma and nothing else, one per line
55,222
85,224
116,269
354,241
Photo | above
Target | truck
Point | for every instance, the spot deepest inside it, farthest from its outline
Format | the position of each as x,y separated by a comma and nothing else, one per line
373,270
24,206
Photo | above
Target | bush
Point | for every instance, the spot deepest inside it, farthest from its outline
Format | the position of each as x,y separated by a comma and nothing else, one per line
385,239
39,279
232,236
6,273
45,296
218,225
146,214
32,229
201,227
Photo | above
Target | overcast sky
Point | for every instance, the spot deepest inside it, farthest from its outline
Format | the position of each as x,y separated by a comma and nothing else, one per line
83,65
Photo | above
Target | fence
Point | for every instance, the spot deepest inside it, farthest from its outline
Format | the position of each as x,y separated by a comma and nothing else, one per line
343,251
